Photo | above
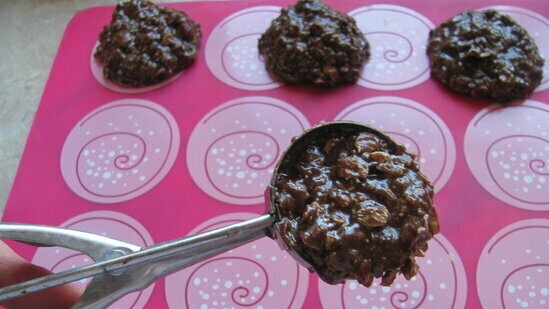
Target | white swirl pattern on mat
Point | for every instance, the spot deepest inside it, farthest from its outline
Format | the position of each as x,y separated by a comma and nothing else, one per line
231,50
255,275
441,283
233,150
507,150
398,41
415,126
108,223
514,265
120,150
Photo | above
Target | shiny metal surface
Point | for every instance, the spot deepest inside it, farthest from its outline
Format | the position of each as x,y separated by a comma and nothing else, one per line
121,267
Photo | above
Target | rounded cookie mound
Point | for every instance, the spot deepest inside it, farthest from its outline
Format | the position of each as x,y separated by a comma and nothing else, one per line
485,54
354,205
145,44
311,43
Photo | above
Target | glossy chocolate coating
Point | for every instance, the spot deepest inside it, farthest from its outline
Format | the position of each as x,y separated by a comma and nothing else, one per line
145,44
485,54
354,205
313,44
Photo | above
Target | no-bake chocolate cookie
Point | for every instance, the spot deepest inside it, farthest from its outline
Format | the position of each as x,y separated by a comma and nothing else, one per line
354,205
485,54
312,43
145,44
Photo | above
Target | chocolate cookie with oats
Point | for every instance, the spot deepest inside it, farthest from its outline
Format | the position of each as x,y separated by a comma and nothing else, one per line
312,43
354,205
145,44
485,54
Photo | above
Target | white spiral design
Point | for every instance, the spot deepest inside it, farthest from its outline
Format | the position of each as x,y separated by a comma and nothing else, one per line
398,39
518,173
234,148
232,54
255,275
246,288
512,268
507,150
119,151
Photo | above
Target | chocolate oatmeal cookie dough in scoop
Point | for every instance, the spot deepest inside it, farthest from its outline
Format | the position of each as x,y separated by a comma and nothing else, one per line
352,204
145,44
311,43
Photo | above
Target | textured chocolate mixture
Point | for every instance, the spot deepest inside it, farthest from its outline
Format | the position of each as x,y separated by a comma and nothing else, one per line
311,43
485,54
145,44
355,206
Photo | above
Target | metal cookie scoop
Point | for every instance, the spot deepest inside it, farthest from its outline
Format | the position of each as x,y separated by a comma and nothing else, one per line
121,268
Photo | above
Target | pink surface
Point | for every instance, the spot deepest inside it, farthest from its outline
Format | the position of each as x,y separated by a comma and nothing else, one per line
204,145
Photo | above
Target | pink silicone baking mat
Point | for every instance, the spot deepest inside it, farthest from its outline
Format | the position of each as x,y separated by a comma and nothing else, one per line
197,152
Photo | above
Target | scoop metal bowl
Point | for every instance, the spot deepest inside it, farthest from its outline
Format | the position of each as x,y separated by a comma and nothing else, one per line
324,130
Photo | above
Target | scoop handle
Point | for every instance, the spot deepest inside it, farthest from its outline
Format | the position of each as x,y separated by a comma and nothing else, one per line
127,271
142,268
